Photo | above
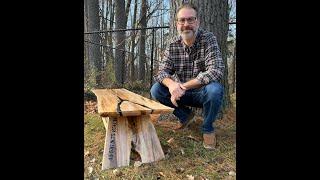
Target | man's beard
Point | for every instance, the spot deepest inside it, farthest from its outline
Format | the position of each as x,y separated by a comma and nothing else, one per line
187,32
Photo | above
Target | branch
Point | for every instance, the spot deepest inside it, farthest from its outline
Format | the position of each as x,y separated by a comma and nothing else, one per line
148,16
128,8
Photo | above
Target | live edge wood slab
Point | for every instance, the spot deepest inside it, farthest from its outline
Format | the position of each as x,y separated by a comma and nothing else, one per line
126,117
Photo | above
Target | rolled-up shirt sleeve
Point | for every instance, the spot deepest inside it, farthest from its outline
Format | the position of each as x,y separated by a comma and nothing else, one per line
213,62
166,68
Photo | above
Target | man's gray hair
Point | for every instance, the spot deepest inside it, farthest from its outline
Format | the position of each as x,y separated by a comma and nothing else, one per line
190,6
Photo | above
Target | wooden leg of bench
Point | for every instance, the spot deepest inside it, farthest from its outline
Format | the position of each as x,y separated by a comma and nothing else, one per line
117,146
147,143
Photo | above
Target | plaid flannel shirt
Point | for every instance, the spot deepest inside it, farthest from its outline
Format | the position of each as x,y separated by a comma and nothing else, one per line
201,61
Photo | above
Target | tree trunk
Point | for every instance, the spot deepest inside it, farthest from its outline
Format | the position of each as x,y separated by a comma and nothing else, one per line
128,8
213,16
142,58
230,78
86,50
120,23
105,25
133,37
161,48
110,41
234,70
155,53
103,38
94,50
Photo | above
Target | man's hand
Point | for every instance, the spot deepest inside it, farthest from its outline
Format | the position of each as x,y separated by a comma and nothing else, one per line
183,87
177,91
192,84
174,100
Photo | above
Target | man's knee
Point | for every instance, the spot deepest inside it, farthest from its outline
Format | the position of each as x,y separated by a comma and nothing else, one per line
214,91
155,90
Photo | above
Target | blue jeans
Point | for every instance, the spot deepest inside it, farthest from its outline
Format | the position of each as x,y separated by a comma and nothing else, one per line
208,97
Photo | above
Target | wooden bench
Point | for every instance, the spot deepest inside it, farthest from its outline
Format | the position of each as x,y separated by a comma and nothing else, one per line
126,117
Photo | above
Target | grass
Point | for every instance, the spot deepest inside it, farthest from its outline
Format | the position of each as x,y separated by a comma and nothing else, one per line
195,161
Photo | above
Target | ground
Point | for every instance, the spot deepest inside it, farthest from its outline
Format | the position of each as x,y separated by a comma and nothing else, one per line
185,157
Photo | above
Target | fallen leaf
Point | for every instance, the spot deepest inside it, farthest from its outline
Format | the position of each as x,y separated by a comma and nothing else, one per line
93,160
137,164
90,169
190,177
116,172
193,138
180,170
182,151
161,174
232,173
170,140
218,160
86,153
203,178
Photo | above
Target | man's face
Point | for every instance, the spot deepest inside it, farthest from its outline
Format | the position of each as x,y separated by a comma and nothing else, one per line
187,23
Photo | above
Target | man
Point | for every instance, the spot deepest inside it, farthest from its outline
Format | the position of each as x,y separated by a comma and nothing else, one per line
189,74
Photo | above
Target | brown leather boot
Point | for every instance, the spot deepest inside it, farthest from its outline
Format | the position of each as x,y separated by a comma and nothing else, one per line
209,141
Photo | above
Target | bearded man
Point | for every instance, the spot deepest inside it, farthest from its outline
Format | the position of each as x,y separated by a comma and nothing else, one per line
189,74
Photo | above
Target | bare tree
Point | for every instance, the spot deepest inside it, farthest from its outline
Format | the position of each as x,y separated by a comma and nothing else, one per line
128,8
133,37
233,71
120,23
94,50
86,47
142,58
111,24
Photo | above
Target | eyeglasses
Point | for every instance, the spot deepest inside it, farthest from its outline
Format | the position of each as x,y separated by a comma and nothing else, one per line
190,20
